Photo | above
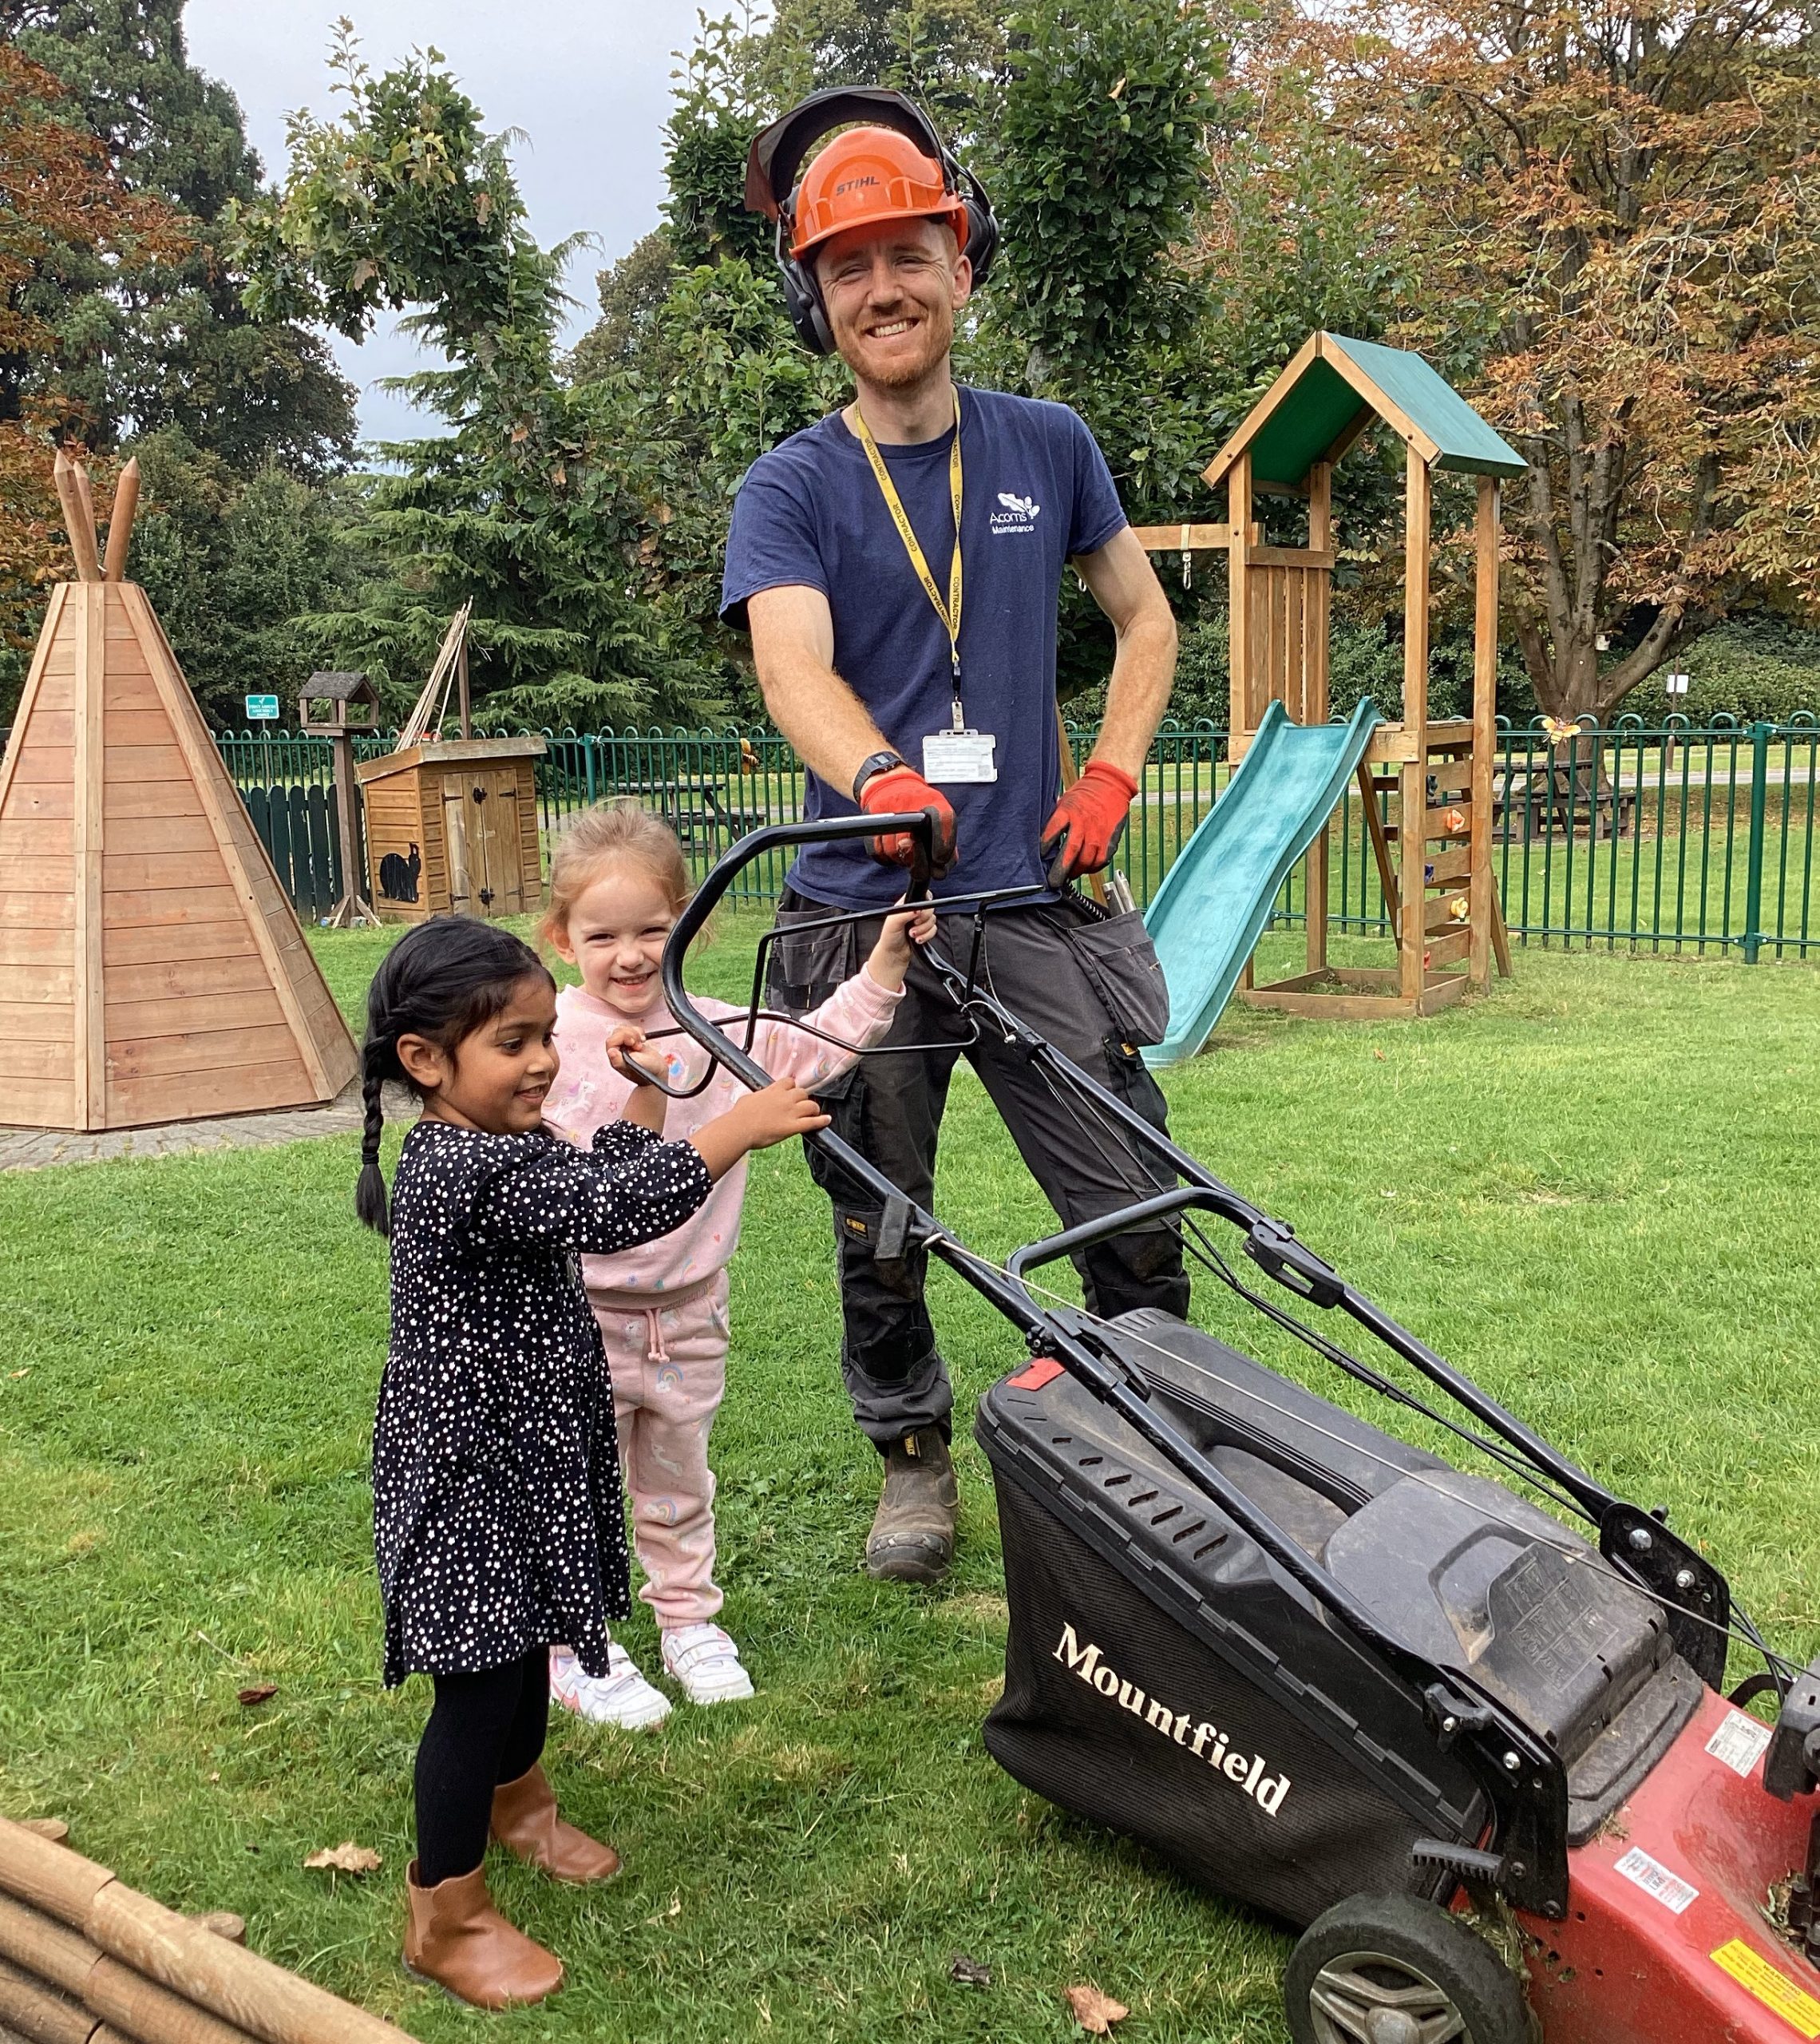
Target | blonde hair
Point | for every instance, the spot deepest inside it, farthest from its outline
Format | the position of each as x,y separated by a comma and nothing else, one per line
613,834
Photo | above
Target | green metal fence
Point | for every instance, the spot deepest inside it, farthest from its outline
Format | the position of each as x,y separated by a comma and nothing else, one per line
1637,836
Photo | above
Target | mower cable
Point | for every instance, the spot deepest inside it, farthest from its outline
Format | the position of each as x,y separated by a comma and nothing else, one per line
1750,1639
1507,1458
1206,1254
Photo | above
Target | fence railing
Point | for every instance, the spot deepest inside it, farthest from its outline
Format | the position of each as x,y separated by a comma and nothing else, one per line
1637,836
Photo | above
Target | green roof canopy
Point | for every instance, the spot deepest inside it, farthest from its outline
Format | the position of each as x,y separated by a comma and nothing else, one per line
1334,388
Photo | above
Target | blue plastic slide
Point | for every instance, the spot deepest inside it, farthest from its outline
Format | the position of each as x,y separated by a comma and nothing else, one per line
1215,901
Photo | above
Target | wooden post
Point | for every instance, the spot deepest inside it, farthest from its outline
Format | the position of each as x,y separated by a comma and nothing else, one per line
461,683
89,727
40,1945
353,907
1412,825
134,2007
120,520
249,1992
80,525
1315,698
40,2013
1484,728
1240,654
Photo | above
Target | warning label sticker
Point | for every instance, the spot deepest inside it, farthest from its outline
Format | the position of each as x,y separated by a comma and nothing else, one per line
1740,1742
1654,1879
1757,1977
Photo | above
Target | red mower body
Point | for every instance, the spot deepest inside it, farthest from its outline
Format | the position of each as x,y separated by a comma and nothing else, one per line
1666,1939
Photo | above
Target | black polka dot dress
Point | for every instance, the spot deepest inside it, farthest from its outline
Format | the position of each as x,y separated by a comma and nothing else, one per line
496,1515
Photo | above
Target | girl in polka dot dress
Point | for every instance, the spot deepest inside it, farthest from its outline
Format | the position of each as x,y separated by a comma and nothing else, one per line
617,882
496,1481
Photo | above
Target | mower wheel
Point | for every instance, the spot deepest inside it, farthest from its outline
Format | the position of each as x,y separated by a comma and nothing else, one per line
1387,1969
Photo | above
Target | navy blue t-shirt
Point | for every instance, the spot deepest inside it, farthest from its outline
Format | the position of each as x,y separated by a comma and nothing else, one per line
1037,490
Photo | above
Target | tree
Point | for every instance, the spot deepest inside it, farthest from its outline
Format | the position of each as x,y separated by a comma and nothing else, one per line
531,505
1611,213
1097,163
171,344
235,565
57,192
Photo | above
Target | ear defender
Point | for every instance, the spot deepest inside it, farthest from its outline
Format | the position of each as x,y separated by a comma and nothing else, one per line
896,167
802,295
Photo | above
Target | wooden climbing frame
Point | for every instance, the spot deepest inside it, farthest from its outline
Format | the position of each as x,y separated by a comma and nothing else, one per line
1426,781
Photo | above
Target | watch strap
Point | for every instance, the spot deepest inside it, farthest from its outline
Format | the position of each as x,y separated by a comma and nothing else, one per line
876,763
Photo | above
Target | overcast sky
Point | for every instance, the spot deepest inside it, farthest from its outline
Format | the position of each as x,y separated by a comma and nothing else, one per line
588,83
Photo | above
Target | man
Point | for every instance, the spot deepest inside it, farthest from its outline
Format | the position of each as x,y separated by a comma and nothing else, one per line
906,684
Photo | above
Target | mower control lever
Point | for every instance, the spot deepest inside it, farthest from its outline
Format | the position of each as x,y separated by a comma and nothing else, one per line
1272,1245
1791,1767
1448,1715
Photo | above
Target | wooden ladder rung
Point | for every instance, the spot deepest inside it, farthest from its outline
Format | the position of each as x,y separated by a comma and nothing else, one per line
1451,869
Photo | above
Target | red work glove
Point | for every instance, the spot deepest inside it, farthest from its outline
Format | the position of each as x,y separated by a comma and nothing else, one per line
896,792
1084,824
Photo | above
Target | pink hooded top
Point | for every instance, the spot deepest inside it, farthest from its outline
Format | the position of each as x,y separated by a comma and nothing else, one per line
588,1093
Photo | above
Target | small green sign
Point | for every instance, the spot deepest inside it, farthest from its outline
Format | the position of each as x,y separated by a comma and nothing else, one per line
262,709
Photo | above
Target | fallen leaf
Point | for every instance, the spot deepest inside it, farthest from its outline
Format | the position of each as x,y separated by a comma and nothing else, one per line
347,1858
969,1972
1095,2013
15,1375
260,1692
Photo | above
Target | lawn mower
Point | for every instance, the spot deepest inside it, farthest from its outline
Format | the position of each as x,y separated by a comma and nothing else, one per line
1485,1765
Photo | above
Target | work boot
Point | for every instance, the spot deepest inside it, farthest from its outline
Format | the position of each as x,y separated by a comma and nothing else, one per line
458,1939
524,1821
912,1533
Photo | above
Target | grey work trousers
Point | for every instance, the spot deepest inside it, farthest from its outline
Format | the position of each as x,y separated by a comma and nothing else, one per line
1091,986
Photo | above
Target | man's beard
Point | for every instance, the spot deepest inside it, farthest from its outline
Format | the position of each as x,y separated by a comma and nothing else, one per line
905,372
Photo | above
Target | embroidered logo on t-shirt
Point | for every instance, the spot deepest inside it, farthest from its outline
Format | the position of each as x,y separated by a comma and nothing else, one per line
1018,513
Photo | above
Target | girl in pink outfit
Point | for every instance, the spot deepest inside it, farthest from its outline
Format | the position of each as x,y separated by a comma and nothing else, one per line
618,881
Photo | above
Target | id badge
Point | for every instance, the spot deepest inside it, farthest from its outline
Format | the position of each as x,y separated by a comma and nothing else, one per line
953,757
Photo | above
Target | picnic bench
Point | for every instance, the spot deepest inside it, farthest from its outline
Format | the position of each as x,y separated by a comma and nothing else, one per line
1556,798
696,810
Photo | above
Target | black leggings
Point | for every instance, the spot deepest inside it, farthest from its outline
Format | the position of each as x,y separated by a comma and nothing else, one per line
484,1729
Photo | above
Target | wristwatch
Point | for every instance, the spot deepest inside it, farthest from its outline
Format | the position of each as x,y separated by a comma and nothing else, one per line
876,763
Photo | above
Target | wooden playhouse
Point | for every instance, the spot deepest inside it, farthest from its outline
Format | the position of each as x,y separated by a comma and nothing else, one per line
452,823
451,829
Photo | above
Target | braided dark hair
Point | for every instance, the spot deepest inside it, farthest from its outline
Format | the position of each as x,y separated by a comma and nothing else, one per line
442,980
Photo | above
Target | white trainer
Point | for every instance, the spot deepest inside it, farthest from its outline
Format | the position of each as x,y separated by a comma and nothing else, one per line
621,1696
705,1661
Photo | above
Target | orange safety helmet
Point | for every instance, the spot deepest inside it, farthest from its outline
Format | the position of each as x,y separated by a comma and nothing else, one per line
896,167
867,176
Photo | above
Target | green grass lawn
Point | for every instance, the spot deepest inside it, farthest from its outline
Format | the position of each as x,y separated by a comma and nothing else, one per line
1594,1189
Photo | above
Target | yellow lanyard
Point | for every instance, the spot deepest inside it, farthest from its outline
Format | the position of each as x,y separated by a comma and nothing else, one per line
949,612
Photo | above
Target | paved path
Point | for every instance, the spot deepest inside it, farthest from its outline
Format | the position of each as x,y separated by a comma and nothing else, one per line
30,1149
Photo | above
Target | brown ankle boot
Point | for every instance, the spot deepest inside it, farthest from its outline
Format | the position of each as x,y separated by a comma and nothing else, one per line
458,1939
524,1821
912,1533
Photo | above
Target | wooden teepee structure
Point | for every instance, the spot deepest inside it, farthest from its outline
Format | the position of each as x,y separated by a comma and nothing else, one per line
151,967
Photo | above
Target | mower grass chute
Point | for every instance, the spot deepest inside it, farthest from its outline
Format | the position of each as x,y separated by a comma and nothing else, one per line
1483,1763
